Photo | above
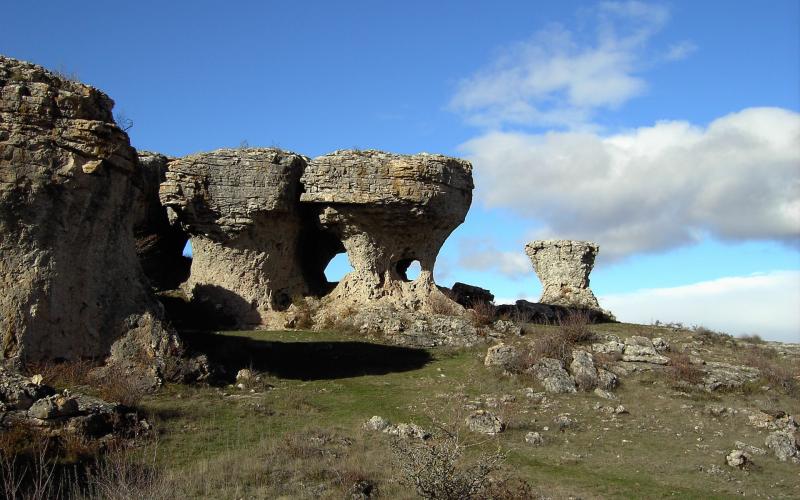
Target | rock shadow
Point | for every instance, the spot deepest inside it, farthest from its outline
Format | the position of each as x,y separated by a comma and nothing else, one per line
211,308
304,360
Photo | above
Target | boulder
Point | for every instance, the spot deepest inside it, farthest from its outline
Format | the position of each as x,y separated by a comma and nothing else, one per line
785,445
641,350
502,355
739,459
534,438
70,189
553,377
485,422
583,370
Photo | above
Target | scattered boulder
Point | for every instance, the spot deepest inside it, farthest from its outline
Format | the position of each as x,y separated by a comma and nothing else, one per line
583,370
56,406
727,376
752,450
605,394
784,444
502,355
485,422
376,423
739,459
661,345
607,380
612,345
553,377
534,438
641,350
564,421
402,430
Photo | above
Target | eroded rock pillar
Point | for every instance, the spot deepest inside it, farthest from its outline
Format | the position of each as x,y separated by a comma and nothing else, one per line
563,267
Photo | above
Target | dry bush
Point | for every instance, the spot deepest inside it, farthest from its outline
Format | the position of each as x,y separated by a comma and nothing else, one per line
752,339
113,384
681,369
303,315
128,474
606,359
774,370
574,327
438,469
482,314
442,303
62,374
708,336
28,473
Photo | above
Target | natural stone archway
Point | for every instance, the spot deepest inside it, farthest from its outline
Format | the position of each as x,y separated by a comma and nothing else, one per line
388,210
240,208
70,188
563,267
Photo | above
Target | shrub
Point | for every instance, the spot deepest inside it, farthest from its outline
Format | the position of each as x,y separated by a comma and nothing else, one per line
774,370
62,374
681,369
303,315
574,327
708,336
753,339
438,469
442,303
482,314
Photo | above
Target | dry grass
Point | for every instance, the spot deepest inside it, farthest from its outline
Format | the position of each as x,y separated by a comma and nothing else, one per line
442,303
574,327
482,314
776,371
681,369
63,374
303,315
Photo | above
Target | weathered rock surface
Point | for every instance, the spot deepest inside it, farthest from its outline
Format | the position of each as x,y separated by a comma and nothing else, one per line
502,355
387,211
583,370
563,267
69,188
485,422
640,349
240,208
553,377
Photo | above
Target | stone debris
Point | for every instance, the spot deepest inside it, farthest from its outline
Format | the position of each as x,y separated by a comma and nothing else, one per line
727,376
784,444
553,377
534,438
485,422
402,430
752,450
564,421
739,459
605,394
563,267
640,349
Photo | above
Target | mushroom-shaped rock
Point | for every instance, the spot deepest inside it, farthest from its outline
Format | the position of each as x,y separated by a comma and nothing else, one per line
388,210
69,190
240,208
563,267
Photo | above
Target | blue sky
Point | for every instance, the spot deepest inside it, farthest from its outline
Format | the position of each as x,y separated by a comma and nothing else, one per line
668,132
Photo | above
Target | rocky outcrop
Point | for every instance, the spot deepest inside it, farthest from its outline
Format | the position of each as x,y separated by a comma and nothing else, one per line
387,210
240,207
469,295
69,188
563,267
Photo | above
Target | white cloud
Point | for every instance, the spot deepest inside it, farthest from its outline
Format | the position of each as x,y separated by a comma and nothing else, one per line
483,256
652,188
764,304
555,79
680,50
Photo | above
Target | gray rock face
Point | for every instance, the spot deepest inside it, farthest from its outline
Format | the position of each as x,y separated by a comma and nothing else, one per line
387,211
69,192
468,295
583,370
563,267
240,208
502,355
553,377
784,444
641,349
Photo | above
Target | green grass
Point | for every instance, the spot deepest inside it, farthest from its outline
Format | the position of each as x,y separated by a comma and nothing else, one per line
233,440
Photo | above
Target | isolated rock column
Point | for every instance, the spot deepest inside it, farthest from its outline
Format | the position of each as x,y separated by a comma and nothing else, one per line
563,267
388,210
69,189
240,207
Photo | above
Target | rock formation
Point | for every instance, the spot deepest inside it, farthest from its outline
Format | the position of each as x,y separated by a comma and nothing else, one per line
563,267
240,207
72,285
388,211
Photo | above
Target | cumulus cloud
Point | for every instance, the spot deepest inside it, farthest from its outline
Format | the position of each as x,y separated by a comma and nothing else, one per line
680,50
763,304
652,188
557,78
483,256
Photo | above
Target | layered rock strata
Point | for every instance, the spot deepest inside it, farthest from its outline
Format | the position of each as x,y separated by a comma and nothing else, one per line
563,267
240,207
388,211
69,188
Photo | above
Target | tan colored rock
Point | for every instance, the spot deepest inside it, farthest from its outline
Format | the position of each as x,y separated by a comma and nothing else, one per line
240,207
69,188
388,211
563,267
